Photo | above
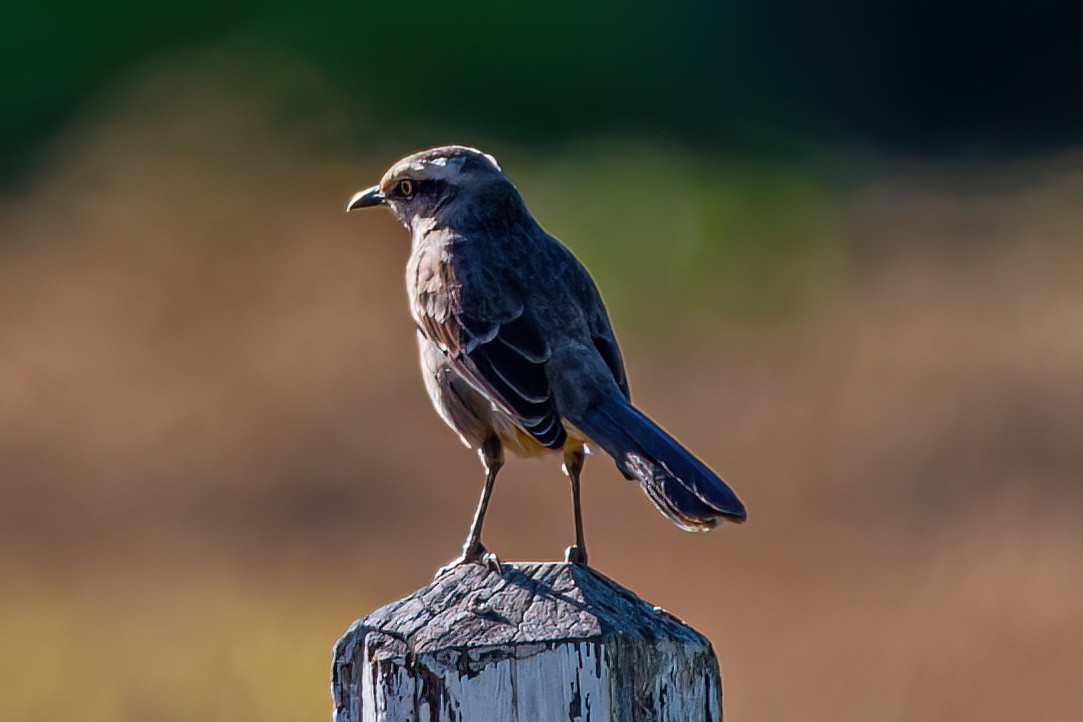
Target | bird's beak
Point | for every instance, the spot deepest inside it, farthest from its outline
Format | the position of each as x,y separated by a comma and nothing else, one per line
366,199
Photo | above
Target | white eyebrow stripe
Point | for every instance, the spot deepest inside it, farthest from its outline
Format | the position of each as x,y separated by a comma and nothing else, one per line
439,167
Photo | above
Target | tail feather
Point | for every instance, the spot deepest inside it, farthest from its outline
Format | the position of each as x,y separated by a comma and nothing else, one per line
681,486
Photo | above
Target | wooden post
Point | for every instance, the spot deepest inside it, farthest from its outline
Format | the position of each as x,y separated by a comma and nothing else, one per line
537,642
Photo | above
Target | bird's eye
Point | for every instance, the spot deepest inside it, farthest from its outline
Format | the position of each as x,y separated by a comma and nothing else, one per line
406,187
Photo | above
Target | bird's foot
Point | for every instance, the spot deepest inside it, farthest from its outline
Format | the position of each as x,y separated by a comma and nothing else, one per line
473,554
575,555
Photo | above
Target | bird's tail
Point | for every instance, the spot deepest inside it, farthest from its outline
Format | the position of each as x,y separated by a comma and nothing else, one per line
680,485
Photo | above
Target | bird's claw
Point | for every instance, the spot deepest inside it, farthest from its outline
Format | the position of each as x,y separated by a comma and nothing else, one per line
575,555
491,561
473,555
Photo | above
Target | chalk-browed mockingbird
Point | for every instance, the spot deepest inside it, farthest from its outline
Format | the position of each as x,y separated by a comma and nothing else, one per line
516,347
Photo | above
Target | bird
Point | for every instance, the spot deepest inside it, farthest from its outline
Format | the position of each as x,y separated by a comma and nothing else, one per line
516,347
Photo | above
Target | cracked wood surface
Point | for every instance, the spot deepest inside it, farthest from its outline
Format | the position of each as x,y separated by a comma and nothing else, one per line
550,641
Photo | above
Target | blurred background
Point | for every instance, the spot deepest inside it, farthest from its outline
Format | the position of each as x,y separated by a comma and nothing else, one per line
842,245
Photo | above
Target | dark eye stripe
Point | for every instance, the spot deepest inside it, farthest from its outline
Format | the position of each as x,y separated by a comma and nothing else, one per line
408,188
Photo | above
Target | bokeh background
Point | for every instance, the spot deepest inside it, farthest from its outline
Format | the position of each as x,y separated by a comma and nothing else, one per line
842,244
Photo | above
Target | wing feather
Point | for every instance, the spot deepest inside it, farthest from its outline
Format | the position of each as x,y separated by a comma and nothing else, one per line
498,351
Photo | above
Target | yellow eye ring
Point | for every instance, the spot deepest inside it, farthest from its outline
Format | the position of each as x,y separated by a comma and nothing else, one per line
406,187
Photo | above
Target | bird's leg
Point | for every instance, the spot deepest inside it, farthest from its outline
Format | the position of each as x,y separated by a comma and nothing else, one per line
491,454
492,458
573,465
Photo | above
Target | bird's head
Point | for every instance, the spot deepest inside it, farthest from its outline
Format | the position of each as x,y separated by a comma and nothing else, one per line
447,184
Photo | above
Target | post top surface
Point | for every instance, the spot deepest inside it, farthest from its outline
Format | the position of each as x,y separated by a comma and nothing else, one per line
471,606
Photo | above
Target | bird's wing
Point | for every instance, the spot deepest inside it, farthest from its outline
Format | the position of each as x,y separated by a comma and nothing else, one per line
489,338
606,343
601,331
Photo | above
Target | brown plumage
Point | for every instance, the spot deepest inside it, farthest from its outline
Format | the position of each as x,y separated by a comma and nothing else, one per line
516,347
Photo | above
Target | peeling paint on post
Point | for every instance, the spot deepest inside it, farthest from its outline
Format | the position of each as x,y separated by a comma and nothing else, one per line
536,642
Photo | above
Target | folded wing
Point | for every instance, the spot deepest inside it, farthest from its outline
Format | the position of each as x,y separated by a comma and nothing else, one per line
503,357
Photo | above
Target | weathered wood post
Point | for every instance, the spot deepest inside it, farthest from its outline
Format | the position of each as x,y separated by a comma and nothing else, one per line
537,642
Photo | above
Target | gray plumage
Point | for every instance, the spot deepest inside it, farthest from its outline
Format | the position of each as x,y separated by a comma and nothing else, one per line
516,347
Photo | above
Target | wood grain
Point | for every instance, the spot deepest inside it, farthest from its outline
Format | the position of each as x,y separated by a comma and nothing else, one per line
547,641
